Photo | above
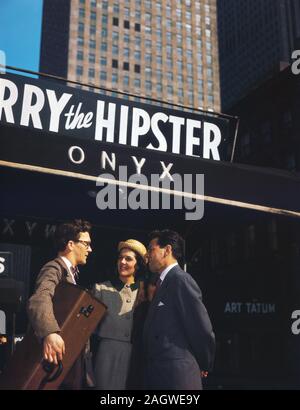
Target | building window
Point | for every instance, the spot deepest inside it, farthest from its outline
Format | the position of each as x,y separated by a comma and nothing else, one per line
103,61
148,72
114,63
92,58
137,68
80,42
137,27
210,99
104,32
126,38
126,24
116,8
115,49
103,76
180,79
104,19
115,37
114,78
159,88
170,90
126,66
92,43
91,73
208,59
137,82
168,11
81,13
190,97
80,27
104,47
159,60
138,14
148,58
179,39
189,68
104,4
93,15
79,70
148,85
79,55
137,42
189,42
137,55
126,52
126,80
207,33
92,30
170,76
148,18
115,21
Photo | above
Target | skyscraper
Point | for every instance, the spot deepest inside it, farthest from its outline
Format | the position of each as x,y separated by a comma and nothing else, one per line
256,37
164,49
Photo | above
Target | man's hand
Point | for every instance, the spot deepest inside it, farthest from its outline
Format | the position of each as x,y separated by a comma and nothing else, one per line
54,348
204,374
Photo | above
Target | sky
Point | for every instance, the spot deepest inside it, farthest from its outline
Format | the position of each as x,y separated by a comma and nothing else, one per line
20,32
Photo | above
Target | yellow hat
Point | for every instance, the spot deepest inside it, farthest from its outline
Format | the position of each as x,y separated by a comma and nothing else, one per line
135,246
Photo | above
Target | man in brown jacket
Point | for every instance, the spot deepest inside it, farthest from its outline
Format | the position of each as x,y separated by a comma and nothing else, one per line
74,245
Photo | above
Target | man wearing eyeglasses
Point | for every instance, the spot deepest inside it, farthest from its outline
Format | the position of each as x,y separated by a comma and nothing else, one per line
73,243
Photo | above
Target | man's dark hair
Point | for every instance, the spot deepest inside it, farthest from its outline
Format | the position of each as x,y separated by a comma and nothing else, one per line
168,237
69,231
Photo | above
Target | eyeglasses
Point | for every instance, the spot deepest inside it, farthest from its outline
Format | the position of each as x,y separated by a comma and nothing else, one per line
85,243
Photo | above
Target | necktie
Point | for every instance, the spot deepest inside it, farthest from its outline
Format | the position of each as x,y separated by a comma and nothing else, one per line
75,272
158,283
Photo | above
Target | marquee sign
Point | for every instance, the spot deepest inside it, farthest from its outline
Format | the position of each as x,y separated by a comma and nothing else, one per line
65,111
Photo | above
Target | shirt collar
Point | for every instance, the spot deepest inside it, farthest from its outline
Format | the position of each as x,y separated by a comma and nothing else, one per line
119,285
167,270
69,266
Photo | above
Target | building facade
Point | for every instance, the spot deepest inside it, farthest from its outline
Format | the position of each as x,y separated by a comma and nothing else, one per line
166,49
256,38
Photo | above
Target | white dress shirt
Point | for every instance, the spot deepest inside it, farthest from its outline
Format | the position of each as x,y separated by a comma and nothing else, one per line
69,266
165,271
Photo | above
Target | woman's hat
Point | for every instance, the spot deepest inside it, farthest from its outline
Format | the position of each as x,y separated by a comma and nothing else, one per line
134,245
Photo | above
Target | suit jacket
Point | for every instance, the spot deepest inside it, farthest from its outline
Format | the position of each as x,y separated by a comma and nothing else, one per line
42,319
178,335
40,307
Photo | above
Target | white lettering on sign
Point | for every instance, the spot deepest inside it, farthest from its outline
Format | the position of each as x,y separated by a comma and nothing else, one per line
296,324
2,265
249,308
109,122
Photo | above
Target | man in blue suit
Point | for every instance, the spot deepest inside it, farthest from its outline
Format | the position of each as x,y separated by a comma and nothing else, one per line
178,336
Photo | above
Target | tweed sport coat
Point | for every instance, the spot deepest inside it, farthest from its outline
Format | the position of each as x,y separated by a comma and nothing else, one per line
40,307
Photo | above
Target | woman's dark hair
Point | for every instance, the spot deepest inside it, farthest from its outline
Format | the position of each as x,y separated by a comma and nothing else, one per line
168,237
141,265
69,231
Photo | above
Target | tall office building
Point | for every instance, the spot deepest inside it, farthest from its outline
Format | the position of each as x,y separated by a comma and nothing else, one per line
163,49
256,38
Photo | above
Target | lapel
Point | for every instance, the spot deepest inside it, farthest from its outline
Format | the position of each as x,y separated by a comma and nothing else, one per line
160,294
66,276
